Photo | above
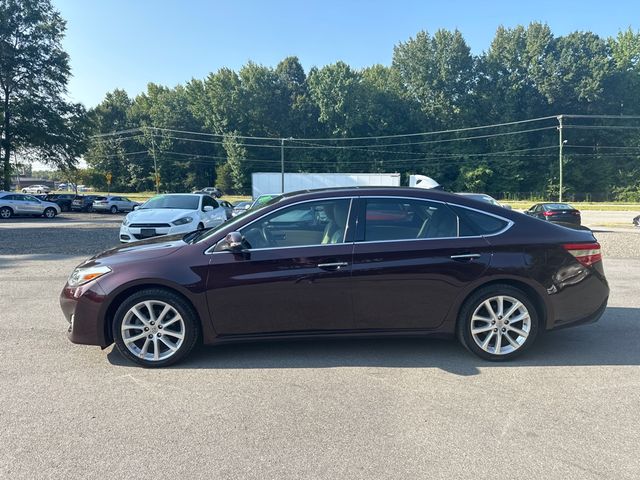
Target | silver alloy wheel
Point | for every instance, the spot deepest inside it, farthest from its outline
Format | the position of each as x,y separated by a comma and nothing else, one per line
153,330
500,325
49,213
5,213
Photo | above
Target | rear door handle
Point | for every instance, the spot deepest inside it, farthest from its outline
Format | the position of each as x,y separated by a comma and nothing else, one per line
465,256
332,266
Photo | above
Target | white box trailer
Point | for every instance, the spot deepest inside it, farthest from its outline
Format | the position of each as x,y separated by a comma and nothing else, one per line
263,183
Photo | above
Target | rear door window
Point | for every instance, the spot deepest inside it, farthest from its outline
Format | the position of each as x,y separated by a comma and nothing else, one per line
388,219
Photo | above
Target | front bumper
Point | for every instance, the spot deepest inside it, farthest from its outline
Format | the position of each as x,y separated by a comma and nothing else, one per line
81,307
133,234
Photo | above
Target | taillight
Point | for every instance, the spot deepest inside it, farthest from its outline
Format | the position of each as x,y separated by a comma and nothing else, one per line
548,214
586,253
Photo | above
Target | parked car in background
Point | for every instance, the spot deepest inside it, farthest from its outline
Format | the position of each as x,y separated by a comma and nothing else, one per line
483,197
263,199
20,204
36,189
170,214
84,203
63,200
317,264
561,213
114,204
240,207
636,221
228,208
213,191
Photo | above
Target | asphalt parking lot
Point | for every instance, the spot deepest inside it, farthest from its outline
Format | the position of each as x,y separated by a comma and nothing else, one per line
318,409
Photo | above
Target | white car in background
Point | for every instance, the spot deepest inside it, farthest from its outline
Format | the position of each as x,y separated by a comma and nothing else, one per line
114,204
36,189
171,214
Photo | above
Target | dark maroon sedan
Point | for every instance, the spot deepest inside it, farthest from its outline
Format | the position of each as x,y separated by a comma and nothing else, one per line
357,262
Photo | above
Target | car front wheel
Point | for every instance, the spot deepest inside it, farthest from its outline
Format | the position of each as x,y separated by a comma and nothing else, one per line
114,209
498,323
50,212
155,328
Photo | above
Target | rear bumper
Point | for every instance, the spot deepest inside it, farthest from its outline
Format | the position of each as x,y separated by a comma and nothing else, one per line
591,318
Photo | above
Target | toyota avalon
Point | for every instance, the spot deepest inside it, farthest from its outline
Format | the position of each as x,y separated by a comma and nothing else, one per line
342,262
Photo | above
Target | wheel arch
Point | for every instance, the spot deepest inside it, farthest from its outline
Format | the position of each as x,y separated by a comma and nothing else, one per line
130,290
542,308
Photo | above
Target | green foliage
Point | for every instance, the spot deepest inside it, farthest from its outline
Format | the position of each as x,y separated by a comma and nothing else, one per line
433,83
36,120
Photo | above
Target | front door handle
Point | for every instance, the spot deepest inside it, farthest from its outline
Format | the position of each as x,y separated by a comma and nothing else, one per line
465,256
332,266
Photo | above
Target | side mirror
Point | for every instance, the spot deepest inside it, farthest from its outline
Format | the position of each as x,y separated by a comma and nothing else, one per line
135,207
207,208
233,242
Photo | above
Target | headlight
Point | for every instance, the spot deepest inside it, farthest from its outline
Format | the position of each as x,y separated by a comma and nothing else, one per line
82,275
182,221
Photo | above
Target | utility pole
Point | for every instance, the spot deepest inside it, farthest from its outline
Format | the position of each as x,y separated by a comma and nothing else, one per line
282,161
156,179
282,164
560,155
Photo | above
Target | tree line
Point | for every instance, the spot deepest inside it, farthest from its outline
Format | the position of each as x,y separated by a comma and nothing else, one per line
220,129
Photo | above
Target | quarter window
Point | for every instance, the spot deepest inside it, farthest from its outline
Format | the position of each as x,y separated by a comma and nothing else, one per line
311,223
473,222
405,219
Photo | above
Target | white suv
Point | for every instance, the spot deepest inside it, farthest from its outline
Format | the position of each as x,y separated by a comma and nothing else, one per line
18,204
170,214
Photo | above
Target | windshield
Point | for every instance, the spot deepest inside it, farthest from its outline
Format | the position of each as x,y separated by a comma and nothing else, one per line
263,200
183,202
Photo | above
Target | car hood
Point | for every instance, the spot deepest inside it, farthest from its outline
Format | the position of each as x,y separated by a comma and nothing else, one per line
138,251
158,215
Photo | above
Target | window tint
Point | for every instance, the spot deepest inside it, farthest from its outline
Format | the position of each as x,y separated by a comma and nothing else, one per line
311,223
473,222
402,219
31,198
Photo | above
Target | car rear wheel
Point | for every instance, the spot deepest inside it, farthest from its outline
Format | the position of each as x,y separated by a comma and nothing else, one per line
114,209
155,328
5,212
50,212
498,323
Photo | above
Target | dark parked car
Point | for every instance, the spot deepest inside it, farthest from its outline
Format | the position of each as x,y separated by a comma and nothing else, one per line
84,203
342,262
63,200
561,213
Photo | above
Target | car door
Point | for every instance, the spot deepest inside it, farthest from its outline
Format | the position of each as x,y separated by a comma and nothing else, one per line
16,203
286,280
410,263
32,205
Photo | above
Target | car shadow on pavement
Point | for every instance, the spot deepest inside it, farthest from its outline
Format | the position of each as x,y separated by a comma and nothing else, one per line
612,341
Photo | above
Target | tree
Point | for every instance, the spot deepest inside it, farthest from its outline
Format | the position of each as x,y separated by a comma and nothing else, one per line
36,120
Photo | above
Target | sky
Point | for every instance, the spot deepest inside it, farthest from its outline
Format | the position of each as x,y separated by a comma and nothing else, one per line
129,43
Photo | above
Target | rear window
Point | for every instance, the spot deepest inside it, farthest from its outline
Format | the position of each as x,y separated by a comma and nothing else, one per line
473,222
558,206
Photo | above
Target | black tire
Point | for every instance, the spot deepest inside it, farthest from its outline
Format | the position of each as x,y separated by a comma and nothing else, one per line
475,300
39,192
89,209
50,212
6,213
186,311
114,209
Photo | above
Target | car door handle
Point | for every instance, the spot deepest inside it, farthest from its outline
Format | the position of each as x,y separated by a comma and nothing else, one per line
332,266
465,256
